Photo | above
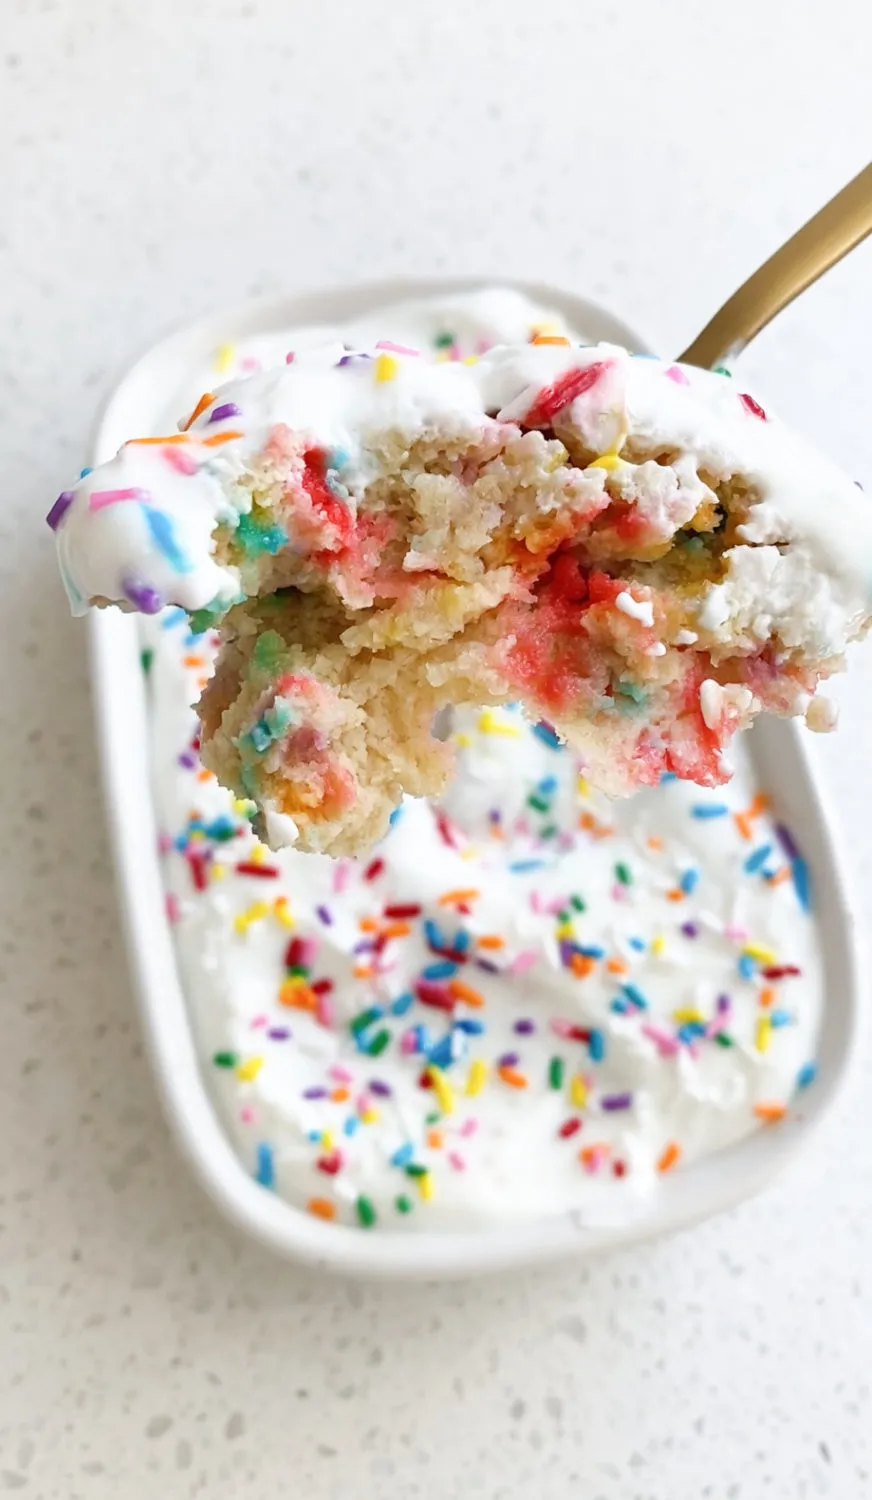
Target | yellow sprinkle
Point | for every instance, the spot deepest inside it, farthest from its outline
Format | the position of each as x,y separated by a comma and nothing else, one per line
242,806
256,854
608,461
490,723
763,1033
577,1091
282,911
369,1116
386,368
688,1015
463,741
565,930
425,1187
328,1140
254,913
759,952
471,359
217,872
442,1089
583,786
224,358
477,1076
658,943
249,1070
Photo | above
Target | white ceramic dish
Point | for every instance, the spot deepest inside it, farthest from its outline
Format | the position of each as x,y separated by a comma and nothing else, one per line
784,765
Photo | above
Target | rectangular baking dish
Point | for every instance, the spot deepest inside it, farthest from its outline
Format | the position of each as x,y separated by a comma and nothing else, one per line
782,760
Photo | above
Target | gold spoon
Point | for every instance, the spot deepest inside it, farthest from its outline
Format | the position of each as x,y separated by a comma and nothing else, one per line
837,228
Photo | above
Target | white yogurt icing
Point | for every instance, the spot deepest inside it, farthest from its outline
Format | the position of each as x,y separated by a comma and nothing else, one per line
526,1001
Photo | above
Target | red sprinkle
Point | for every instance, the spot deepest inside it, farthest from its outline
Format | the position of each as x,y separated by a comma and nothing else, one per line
321,987
553,398
568,1128
780,971
399,913
330,1164
619,1168
265,872
197,863
446,832
429,992
578,1034
374,869
753,407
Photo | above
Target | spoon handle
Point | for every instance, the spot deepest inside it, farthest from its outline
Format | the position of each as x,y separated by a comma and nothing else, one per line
837,228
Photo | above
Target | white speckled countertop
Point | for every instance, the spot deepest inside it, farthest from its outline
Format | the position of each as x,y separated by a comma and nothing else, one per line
649,156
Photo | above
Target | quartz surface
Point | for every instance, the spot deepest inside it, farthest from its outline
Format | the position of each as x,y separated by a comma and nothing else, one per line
161,159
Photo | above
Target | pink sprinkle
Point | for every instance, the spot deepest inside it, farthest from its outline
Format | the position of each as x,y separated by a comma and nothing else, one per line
246,1114
524,961
555,906
99,499
325,1012
753,406
290,357
363,1103
676,373
396,348
164,843
469,1127
342,1075
561,1027
172,904
665,1044
457,1161
537,902
409,1043
522,827
257,1021
341,875
736,934
180,459
619,893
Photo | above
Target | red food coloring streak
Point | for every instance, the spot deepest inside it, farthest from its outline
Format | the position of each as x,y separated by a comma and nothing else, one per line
333,511
564,390
753,406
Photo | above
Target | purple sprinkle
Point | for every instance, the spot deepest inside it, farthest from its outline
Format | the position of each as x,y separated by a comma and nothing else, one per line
279,1034
147,600
787,841
60,508
617,1101
228,409
325,916
378,1086
509,1060
690,929
525,1027
316,1093
352,355
366,945
488,966
187,760
724,1003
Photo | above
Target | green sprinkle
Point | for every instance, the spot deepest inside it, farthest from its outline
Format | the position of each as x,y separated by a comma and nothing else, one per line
443,341
365,1211
723,1040
550,832
403,1204
555,1073
540,803
379,1042
365,1019
623,874
563,916
225,1059
577,902
433,1118
297,971
722,370
414,1169
146,658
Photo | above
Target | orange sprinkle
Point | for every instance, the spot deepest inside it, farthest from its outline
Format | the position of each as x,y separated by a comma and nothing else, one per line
512,1077
743,825
193,661
172,437
771,1113
758,805
205,400
450,897
780,875
339,1095
582,965
321,1208
297,996
435,1139
589,823
654,843
676,894
462,991
615,966
668,1157
368,924
362,971
767,995
396,929
548,338
590,1155
489,941
204,775
218,438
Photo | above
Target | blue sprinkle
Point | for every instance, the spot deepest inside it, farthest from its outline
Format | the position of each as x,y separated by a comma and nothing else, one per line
351,1126
756,860
163,535
588,950
802,882
637,943
444,970
434,935
709,810
634,354
546,734
402,1003
747,966
548,784
395,815
521,866
690,1031
806,1075
313,1135
442,1052
171,617
85,471
667,776
634,996
620,1007
265,1172
689,881
461,941
403,1154
596,1046
470,1026
423,1039
781,1018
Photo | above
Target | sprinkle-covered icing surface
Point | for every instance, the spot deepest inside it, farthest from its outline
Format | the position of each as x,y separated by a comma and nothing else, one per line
525,1001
